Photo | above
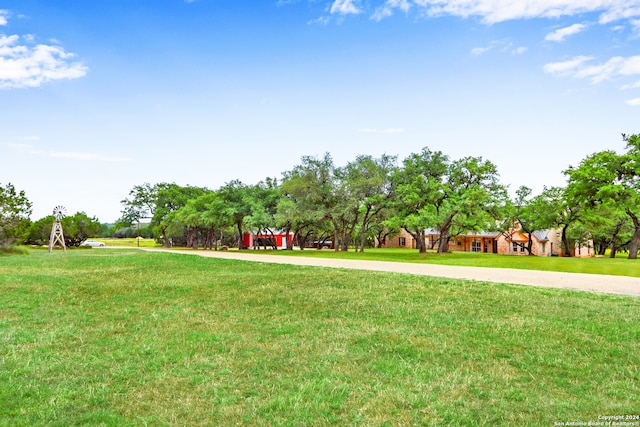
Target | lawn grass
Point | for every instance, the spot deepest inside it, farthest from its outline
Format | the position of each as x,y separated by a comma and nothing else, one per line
124,337
129,242
616,266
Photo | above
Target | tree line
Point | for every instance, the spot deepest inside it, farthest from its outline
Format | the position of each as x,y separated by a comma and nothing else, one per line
371,198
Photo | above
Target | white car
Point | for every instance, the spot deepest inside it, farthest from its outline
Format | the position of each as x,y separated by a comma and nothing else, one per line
93,243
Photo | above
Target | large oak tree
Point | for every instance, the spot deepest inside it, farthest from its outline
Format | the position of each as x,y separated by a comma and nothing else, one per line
431,191
608,177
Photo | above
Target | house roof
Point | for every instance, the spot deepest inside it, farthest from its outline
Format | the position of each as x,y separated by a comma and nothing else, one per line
518,237
542,235
493,234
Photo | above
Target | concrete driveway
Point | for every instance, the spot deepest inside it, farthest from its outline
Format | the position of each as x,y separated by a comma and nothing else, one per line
582,282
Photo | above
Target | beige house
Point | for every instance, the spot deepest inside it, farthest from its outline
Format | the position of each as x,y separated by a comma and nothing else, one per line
544,243
470,242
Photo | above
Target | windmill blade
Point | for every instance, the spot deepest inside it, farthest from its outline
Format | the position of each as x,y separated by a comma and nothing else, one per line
59,212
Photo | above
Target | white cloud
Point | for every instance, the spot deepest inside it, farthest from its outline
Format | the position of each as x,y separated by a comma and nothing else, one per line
477,51
601,72
490,11
27,65
387,9
323,20
3,16
344,7
566,67
494,11
635,85
502,45
562,33
620,10
617,66
630,66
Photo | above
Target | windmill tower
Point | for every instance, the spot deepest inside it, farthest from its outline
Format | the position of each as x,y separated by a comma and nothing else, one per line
56,231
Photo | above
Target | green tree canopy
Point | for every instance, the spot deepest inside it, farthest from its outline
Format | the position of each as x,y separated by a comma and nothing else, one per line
311,190
430,191
15,210
76,229
608,177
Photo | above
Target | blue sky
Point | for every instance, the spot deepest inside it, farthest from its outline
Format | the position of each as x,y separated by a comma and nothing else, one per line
96,97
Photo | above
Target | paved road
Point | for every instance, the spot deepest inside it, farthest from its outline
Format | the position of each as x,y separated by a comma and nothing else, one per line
583,282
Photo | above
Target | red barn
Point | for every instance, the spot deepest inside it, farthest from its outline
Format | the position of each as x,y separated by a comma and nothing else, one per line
277,239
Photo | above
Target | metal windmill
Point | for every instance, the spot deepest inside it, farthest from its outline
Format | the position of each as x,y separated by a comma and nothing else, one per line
57,235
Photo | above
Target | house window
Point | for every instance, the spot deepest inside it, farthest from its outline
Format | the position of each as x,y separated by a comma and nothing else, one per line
476,245
402,241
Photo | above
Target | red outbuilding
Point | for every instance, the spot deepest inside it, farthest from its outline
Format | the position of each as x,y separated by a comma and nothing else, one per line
259,240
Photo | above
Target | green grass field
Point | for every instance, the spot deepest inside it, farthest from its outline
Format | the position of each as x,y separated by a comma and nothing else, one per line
123,337
616,266
129,242
619,266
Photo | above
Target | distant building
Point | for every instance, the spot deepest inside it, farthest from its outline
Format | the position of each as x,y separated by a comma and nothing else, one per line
277,239
544,243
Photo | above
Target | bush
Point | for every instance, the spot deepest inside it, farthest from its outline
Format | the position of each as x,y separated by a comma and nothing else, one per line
15,209
76,229
13,250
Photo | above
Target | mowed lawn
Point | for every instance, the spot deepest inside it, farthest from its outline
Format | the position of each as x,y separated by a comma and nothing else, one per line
619,266
124,337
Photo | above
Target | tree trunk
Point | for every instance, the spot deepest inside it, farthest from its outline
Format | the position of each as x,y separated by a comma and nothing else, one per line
344,241
565,241
602,247
420,243
635,240
165,240
302,240
381,238
289,242
614,249
274,241
192,238
443,244
418,236
362,239
363,227
239,224
209,236
614,239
